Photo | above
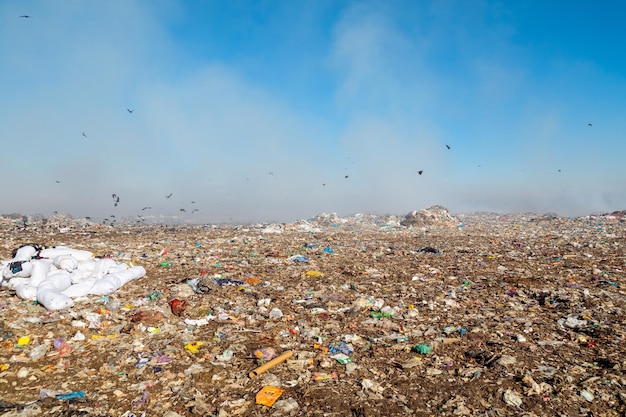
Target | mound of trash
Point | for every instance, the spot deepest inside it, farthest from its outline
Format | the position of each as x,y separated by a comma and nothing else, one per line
432,216
54,276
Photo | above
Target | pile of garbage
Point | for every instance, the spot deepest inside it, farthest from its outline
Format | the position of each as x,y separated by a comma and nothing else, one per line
433,216
54,276
505,316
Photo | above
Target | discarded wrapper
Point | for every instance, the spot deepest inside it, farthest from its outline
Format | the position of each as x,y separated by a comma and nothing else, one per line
268,395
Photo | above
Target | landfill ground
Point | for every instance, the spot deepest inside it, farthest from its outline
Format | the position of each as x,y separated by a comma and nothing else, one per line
502,315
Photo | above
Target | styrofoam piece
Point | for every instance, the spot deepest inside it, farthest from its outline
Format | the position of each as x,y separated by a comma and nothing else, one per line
79,255
39,272
66,262
49,296
111,282
26,292
80,289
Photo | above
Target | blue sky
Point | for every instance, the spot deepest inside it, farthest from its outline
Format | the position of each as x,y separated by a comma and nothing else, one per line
258,110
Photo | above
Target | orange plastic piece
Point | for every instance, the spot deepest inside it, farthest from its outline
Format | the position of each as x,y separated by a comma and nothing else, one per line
268,395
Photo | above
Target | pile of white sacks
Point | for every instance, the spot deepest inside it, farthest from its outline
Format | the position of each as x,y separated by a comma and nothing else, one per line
55,276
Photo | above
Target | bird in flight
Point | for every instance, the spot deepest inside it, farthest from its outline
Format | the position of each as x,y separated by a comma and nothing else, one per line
347,176
145,208
25,16
183,210
130,111
448,146
168,196
589,124
84,135
194,210
420,172
58,182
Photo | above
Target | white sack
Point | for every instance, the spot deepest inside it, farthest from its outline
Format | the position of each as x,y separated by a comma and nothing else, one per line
66,262
24,270
25,253
13,283
103,266
111,282
60,279
51,298
87,265
80,275
40,270
26,292
80,255
81,289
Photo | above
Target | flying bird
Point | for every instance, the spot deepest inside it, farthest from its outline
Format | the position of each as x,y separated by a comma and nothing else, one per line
25,16
589,124
194,210
183,210
420,172
84,135
448,146
193,202
130,111
58,182
347,176
168,196
145,208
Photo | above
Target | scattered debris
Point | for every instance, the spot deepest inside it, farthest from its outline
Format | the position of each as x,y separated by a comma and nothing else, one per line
361,315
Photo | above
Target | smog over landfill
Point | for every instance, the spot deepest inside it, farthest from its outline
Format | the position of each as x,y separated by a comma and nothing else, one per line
279,111
316,208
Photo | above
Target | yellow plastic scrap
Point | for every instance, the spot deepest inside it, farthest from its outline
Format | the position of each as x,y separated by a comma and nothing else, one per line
268,395
22,341
99,337
193,346
313,274
4,367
